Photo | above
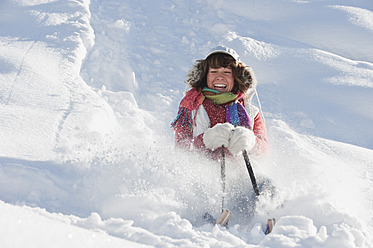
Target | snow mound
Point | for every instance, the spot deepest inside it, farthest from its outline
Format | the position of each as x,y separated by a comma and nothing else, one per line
88,90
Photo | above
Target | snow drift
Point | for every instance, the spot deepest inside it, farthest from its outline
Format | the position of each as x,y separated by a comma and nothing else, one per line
89,88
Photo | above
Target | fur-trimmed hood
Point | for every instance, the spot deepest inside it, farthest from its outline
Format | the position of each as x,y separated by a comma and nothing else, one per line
248,76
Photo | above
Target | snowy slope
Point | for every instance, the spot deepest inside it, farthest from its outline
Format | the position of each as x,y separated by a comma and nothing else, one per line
88,90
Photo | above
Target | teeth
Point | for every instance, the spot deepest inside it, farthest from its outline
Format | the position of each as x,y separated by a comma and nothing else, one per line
220,85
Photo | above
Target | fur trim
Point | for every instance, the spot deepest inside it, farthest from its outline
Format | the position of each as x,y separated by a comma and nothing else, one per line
194,74
251,91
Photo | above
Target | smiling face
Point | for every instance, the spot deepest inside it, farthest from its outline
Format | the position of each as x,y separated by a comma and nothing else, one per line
220,79
236,79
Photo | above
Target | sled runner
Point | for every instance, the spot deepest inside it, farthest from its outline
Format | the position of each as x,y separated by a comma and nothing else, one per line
224,217
270,225
225,213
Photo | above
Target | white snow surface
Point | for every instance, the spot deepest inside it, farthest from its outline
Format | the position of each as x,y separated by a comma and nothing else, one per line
88,90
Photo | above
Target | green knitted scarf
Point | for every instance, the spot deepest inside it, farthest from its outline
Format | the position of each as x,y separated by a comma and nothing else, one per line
219,98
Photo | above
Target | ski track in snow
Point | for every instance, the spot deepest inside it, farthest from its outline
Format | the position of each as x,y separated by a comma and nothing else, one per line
87,93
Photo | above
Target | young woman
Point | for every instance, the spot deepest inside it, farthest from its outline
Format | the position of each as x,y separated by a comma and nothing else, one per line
217,110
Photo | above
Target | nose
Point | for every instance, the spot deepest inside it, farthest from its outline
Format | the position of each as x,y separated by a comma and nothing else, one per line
220,74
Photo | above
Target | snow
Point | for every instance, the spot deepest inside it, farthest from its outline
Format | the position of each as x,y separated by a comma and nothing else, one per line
88,91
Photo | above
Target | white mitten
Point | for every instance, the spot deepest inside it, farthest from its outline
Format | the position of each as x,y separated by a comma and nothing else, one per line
218,135
242,139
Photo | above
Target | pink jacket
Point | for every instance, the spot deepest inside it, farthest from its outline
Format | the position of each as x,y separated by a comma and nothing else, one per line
208,115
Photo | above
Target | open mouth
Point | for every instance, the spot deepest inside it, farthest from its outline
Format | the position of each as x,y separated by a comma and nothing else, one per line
220,87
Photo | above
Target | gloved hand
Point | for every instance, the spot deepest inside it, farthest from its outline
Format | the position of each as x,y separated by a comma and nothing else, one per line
218,135
242,139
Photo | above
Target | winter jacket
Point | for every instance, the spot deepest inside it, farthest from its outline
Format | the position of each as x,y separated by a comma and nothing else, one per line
207,116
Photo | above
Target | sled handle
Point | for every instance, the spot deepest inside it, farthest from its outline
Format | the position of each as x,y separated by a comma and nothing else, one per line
222,171
251,172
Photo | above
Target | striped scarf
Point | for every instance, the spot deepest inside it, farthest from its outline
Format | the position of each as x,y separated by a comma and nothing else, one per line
235,112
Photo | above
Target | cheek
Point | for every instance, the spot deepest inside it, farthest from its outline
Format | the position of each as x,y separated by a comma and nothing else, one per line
231,83
209,81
